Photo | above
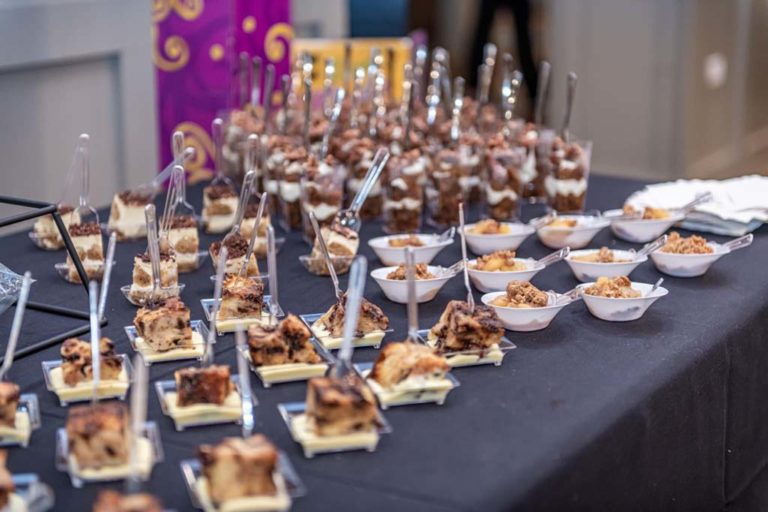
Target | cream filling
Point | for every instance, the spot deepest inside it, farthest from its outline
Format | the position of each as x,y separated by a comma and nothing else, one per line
354,185
491,355
131,222
16,504
417,167
528,169
84,390
323,211
371,339
177,235
220,223
416,389
290,192
271,186
497,196
278,502
314,443
21,430
231,324
233,265
565,187
406,203
294,168
151,355
290,372
145,459
203,414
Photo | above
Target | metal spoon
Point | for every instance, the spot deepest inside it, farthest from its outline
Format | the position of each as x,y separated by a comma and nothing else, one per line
246,399
554,257
274,303
254,234
108,264
650,247
413,307
256,82
138,420
18,319
570,94
93,303
350,217
470,297
351,314
207,359
153,247
324,249
331,126
541,95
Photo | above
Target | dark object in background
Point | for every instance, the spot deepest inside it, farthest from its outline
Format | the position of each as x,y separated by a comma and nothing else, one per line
378,18
521,12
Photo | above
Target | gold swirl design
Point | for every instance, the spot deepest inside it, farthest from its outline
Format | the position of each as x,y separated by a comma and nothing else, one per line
197,138
186,9
177,50
160,10
276,41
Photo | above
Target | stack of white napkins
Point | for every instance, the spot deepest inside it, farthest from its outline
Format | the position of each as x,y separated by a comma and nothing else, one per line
739,205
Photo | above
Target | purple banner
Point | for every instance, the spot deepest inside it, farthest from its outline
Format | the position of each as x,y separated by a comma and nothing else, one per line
196,48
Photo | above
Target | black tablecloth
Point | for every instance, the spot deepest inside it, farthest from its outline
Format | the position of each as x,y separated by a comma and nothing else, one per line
664,413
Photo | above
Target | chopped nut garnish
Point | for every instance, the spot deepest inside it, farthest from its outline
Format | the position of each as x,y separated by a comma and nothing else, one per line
408,241
604,255
614,288
522,294
401,272
500,261
693,244
489,227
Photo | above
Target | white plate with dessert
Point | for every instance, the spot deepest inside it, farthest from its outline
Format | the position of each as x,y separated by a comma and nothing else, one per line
642,226
492,272
487,236
589,264
209,396
339,415
19,415
618,299
692,256
574,231
372,325
217,480
391,249
96,442
24,492
286,352
525,308
429,280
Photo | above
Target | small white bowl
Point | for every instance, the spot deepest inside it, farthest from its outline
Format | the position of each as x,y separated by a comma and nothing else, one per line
393,256
527,319
694,265
622,310
496,280
641,230
397,290
486,244
590,271
577,237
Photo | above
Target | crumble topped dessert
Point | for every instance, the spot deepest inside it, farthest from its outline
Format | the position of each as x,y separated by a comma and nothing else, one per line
421,271
77,366
614,288
126,217
339,240
112,501
164,324
558,222
340,406
241,297
46,230
604,255
237,246
459,328
522,294
489,227
371,318
141,286
499,261
647,213
398,362
283,343
693,244
406,241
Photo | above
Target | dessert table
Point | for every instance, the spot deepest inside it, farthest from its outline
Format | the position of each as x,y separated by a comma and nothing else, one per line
664,413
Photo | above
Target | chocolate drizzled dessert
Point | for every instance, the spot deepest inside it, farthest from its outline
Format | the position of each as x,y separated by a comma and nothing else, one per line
237,246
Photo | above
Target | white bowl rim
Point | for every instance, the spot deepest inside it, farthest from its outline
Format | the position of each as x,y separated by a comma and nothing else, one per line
534,265
377,243
671,219
381,270
660,292
487,302
579,252
595,222
524,229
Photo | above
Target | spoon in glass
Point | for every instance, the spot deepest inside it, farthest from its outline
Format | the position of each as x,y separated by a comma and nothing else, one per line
350,217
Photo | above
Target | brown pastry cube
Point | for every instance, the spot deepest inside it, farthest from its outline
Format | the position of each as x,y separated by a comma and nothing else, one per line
112,501
371,318
340,406
7,487
164,324
399,361
241,297
238,468
98,434
286,342
209,385
9,402
459,328
76,364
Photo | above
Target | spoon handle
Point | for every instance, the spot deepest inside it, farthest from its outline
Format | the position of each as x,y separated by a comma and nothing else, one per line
243,72
245,193
374,171
107,273
570,95
651,246
207,359
541,95
352,312
85,169
285,89
177,144
256,81
18,318
138,420
269,87
458,104
329,71
307,111
217,129
555,256
413,307
326,254
470,297
334,118
246,398
274,303
153,247
93,303
254,233
700,199
739,243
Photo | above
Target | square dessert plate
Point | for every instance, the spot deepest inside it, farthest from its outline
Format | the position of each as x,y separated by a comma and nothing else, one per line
28,406
197,326
473,357
191,470
291,410
271,374
49,366
151,433
37,496
415,397
163,387
311,318
208,309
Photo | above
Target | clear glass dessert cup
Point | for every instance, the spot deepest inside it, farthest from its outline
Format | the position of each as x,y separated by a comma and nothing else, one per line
322,195
404,197
503,185
567,183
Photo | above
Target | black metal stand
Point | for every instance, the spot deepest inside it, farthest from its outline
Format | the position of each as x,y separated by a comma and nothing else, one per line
39,209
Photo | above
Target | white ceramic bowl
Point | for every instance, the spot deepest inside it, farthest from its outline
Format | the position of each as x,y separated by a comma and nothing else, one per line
688,265
527,319
577,237
492,281
393,256
641,230
486,244
590,271
397,290
622,310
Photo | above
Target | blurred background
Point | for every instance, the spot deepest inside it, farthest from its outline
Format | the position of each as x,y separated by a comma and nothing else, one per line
667,89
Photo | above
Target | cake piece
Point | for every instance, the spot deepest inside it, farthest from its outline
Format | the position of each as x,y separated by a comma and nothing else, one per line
241,297
400,361
141,286
87,241
283,343
9,402
98,434
619,287
126,217
339,240
406,241
219,208
340,406
401,272
239,468
164,324
500,261
604,255
693,244
371,318
77,366
183,237
112,501
7,487
47,232
459,328
489,227
522,294
237,246
207,385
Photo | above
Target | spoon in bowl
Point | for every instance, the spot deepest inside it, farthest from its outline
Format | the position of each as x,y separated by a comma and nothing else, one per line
650,247
554,257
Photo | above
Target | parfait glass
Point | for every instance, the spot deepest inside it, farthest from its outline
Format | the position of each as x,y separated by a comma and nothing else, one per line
322,193
444,192
567,182
404,193
503,187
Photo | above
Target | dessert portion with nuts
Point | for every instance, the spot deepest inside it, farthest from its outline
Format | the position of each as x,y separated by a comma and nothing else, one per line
421,272
499,261
647,213
522,294
406,241
86,238
489,227
693,244
613,288
604,255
